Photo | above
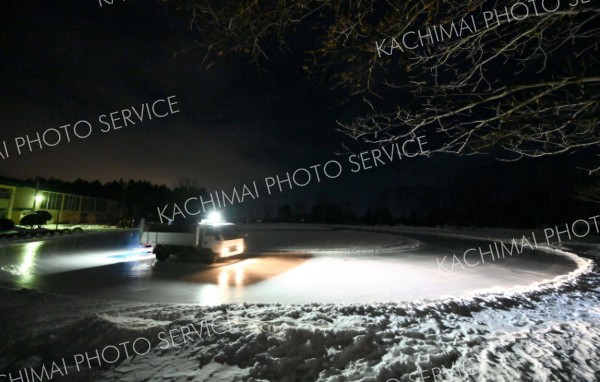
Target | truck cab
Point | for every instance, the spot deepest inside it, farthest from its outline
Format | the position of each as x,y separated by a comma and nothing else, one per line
209,240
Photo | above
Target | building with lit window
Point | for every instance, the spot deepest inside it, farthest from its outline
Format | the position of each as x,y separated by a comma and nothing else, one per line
19,198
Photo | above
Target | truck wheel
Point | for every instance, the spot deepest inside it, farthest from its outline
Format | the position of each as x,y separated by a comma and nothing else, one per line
162,255
210,257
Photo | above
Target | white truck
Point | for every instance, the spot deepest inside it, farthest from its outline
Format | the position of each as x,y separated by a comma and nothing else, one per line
211,241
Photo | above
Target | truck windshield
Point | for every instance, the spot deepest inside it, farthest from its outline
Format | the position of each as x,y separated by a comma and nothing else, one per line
230,232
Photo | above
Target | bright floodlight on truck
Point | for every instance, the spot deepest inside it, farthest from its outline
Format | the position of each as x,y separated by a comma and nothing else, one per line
214,217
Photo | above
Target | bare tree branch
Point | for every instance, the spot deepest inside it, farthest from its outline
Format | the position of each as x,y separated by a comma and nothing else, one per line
486,75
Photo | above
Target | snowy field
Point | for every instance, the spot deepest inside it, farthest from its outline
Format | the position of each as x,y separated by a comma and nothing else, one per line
542,331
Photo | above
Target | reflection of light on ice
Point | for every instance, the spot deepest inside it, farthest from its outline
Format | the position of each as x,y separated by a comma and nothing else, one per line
137,269
237,273
90,259
223,278
230,280
132,253
239,276
28,260
326,279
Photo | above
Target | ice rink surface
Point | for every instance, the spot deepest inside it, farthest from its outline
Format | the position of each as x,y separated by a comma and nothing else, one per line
285,263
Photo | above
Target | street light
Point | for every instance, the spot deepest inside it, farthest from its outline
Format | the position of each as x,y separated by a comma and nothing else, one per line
38,199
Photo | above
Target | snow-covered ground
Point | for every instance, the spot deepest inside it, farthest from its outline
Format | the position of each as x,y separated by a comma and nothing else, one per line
546,332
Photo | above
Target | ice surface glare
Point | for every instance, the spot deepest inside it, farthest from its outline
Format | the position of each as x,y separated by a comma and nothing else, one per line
29,258
234,274
138,268
324,279
239,276
37,258
85,260
24,269
285,264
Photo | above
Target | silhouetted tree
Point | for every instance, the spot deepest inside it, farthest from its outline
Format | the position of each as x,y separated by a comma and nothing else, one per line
545,100
6,225
43,216
31,220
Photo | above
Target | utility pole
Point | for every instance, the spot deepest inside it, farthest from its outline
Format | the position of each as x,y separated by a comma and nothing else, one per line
62,204
35,196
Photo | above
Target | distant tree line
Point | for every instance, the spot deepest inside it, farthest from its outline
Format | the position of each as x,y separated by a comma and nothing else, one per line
328,212
514,195
136,198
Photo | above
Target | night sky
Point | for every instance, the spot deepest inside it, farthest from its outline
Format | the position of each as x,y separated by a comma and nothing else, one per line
62,62
80,61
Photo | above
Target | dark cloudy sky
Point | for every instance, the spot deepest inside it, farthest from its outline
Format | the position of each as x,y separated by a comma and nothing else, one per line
61,62
75,60
67,61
